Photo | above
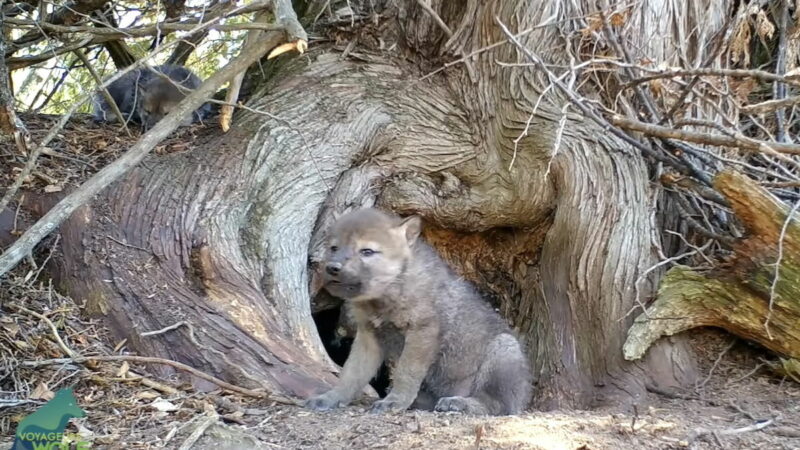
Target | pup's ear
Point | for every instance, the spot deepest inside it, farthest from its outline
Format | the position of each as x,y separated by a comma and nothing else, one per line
411,227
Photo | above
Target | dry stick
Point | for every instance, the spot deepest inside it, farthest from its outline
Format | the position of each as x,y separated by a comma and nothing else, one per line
20,62
147,30
731,431
150,30
779,89
583,108
732,73
226,112
150,360
705,138
103,90
131,158
427,8
778,261
716,363
50,324
770,105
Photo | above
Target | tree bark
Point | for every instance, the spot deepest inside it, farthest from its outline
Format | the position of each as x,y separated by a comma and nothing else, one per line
557,229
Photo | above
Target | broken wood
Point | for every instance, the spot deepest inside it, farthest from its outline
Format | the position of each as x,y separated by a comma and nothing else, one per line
748,296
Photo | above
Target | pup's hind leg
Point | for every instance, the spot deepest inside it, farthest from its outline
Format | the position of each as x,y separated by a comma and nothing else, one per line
502,384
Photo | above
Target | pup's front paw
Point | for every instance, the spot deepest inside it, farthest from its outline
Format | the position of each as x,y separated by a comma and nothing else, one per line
464,405
390,403
324,402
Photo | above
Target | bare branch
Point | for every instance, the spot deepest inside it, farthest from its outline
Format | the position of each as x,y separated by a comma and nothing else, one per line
736,141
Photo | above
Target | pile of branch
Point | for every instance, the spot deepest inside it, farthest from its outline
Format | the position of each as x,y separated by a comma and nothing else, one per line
720,141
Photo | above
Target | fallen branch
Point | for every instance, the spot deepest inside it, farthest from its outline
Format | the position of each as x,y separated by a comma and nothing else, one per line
736,141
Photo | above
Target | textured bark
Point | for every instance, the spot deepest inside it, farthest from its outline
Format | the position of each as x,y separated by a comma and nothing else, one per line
743,297
221,236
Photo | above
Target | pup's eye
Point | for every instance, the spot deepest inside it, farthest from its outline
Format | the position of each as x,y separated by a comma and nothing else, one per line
367,252
334,248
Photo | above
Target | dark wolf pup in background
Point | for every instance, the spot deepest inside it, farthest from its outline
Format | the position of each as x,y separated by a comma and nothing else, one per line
147,94
447,349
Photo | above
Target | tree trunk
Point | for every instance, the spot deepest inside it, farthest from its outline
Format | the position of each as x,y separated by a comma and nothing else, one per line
556,228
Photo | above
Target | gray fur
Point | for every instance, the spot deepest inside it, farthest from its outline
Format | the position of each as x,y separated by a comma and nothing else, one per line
446,348
146,95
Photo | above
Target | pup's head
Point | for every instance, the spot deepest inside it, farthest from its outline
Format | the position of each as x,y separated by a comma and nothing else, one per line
159,97
368,251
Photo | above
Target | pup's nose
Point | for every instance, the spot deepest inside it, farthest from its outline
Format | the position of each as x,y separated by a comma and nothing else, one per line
333,268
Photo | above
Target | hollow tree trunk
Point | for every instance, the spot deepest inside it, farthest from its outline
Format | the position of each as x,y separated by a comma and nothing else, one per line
220,236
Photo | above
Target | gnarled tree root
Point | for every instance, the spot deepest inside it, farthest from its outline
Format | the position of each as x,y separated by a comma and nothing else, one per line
743,296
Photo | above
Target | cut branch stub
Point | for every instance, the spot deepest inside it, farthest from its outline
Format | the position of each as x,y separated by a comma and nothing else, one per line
743,297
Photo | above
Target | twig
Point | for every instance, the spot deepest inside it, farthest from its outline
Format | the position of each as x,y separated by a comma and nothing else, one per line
779,88
699,432
131,158
211,419
68,351
26,171
149,30
732,73
165,329
126,245
778,261
104,90
736,141
716,363
151,360
427,8
770,105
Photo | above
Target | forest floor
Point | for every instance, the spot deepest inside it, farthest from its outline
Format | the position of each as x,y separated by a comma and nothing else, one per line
738,403
735,397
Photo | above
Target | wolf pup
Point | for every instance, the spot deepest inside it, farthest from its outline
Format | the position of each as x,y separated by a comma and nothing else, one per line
148,94
446,348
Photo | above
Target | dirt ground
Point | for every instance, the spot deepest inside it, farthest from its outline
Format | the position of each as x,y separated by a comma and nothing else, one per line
724,411
738,402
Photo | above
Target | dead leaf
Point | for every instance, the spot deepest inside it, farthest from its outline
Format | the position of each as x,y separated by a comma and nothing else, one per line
146,395
123,370
12,328
163,405
42,392
595,23
618,19
119,345
480,430
742,89
764,27
657,88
